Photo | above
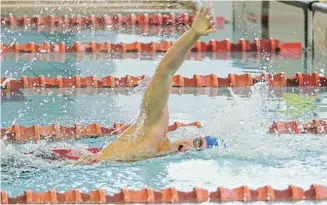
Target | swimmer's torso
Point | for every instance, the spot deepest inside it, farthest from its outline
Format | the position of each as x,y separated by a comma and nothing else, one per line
140,141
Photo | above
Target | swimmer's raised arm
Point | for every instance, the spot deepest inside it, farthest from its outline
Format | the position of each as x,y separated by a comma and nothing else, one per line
156,96
152,125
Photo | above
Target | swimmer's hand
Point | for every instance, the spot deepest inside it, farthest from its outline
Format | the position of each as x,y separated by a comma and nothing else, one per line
204,22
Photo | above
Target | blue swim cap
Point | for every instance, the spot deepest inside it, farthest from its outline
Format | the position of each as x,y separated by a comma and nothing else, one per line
213,141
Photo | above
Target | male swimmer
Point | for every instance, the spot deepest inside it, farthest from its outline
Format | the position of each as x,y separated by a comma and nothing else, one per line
147,137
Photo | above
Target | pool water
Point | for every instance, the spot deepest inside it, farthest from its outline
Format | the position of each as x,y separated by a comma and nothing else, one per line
241,116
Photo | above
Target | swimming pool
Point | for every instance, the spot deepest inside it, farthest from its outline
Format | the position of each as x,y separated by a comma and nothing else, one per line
253,157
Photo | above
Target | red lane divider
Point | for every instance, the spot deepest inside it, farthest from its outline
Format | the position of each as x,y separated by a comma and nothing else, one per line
170,195
20,133
105,20
233,80
270,45
317,126
295,127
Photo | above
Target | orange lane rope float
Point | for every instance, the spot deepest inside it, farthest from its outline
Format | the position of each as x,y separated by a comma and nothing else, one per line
105,20
20,133
144,30
264,45
170,195
295,127
233,80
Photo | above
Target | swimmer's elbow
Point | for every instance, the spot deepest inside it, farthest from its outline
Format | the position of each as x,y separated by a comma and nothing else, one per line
165,70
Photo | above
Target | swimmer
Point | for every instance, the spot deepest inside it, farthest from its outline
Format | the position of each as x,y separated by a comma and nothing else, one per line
147,137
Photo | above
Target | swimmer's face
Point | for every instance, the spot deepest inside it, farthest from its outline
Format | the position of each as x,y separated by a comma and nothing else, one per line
196,143
185,146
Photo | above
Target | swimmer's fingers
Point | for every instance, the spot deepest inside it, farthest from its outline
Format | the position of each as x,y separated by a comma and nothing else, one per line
204,22
206,11
212,25
211,19
211,30
201,11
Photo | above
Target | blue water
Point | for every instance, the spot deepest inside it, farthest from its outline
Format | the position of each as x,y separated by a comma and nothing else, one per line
253,157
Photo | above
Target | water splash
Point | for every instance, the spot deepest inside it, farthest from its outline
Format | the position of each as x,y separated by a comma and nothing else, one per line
243,124
142,87
195,5
18,160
